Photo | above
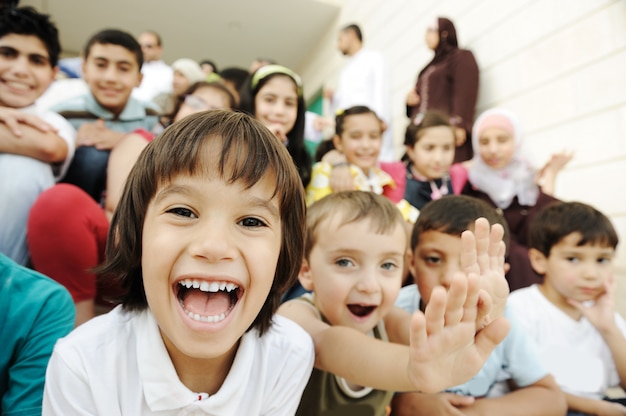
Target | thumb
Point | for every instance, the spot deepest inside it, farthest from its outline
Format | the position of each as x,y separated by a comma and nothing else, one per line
458,400
100,123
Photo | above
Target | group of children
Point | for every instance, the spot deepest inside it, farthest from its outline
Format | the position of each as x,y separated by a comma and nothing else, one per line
208,227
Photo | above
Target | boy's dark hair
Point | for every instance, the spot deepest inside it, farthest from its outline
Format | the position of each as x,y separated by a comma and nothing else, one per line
115,37
340,118
354,28
429,119
27,21
198,85
236,75
295,146
560,219
453,214
249,152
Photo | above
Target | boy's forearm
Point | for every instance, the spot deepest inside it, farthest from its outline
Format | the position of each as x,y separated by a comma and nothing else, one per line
617,344
48,147
363,360
584,404
534,400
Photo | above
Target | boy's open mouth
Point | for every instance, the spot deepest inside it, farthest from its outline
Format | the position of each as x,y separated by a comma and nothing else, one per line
207,301
361,310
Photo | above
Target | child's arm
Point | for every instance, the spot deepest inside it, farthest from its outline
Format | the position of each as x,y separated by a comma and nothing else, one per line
445,349
590,406
28,135
546,178
98,135
541,398
602,316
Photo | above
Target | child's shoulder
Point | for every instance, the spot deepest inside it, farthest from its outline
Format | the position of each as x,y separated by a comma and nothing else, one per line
289,336
110,331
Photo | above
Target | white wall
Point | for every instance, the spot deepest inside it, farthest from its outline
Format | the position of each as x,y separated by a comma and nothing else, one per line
559,64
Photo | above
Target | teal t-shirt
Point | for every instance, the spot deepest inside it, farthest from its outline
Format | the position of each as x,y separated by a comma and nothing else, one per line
35,311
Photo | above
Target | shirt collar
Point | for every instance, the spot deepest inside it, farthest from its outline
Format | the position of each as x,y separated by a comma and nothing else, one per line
162,388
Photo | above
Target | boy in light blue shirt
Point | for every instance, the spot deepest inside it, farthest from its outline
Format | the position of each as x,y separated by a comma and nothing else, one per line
437,247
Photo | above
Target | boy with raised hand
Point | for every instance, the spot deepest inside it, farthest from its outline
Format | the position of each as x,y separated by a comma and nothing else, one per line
35,146
353,263
571,314
437,250
111,68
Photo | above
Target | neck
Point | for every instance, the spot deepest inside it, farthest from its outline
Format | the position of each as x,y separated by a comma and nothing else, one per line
559,301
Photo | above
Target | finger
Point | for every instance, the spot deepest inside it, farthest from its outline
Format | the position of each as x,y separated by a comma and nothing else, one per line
492,335
417,330
496,247
435,311
469,261
13,125
459,400
470,308
455,305
482,236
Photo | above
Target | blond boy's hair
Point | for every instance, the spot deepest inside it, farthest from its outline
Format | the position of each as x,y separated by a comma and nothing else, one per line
350,207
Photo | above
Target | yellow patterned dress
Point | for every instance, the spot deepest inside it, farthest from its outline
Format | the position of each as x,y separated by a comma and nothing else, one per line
375,182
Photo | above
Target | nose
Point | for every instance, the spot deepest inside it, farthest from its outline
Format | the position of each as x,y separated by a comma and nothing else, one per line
212,241
110,73
590,270
367,282
21,65
448,274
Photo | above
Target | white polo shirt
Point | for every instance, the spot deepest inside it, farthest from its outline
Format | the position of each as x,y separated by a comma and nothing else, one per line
117,364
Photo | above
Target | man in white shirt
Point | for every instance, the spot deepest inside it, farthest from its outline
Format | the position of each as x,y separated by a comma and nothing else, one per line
364,80
157,75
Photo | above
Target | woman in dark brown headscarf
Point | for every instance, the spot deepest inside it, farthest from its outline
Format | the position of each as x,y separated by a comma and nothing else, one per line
449,83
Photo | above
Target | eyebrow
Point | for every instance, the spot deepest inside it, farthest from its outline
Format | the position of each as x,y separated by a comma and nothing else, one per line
121,62
251,200
12,50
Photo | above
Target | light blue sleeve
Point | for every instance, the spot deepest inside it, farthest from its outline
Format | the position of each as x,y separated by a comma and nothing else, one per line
520,358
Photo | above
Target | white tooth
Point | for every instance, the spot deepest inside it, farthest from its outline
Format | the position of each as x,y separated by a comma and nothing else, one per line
230,287
196,316
214,287
222,316
222,285
188,283
204,286
196,284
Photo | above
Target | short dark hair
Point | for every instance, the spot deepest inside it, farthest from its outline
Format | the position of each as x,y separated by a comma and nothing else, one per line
115,37
453,214
340,118
249,152
560,219
27,21
237,75
354,28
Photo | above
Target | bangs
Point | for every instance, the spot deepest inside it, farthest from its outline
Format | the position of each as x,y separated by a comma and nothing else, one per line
232,151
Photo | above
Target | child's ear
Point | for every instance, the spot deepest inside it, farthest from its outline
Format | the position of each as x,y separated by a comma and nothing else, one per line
538,260
507,267
337,143
305,276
